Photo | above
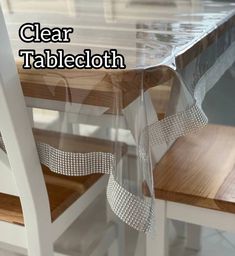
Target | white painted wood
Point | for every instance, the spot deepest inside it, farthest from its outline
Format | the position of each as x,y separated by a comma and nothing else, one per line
61,254
179,228
12,234
201,216
7,183
70,215
157,243
30,115
13,248
22,251
6,5
22,154
4,163
71,7
64,124
137,120
140,244
39,233
113,247
195,217
193,238
7,179
76,108
105,120
108,238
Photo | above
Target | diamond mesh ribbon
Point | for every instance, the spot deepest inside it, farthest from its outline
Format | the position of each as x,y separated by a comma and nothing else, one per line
134,211
174,126
75,164
72,164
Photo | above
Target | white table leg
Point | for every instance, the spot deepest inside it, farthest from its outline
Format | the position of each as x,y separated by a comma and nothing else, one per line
193,240
117,248
179,228
157,244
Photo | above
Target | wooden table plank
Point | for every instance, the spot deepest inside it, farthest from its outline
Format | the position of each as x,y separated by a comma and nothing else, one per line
199,170
106,88
146,34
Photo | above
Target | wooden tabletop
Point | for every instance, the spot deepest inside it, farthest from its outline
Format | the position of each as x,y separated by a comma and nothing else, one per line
199,170
111,89
149,34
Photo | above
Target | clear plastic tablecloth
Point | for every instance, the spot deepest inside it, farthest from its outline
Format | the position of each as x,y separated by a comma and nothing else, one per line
123,121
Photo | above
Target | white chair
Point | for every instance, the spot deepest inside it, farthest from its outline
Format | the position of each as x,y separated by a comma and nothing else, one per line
21,175
197,189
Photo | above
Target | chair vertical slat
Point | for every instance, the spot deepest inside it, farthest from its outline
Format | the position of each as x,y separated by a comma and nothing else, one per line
22,153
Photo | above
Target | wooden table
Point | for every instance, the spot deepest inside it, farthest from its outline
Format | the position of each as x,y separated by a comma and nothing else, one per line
150,37
162,43
194,183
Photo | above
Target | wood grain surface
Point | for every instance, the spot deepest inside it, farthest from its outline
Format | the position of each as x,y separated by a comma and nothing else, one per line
199,170
114,89
92,87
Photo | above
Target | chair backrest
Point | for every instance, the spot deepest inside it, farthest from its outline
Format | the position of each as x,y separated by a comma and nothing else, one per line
21,150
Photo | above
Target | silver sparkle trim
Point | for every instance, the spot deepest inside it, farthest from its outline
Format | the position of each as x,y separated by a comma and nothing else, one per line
177,125
134,211
75,164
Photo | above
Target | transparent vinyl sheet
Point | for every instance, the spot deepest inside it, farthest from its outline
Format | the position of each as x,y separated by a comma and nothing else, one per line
115,131
118,123
121,122
183,114
107,137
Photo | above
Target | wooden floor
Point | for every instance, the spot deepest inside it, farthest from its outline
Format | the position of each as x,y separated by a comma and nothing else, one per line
199,170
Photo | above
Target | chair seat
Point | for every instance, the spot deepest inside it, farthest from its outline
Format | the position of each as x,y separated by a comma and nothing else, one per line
199,170
62,190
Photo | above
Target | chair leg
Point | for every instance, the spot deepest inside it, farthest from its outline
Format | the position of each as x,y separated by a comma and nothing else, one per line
157,244
39,248
117,248
193,240
39,238
179,228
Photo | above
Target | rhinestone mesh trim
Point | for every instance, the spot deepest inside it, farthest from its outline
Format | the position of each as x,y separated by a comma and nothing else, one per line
72,164
177,125
134,211
75,164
